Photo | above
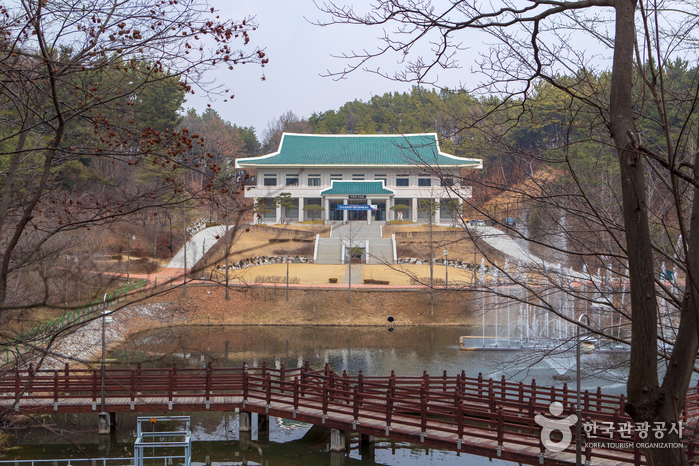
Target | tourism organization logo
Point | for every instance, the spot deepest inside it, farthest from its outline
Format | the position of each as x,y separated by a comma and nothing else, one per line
605,434
549,426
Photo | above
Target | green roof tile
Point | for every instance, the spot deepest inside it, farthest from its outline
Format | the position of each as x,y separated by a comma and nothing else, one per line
360,150
356,187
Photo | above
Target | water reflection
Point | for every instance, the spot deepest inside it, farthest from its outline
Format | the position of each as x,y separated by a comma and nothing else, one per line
375,351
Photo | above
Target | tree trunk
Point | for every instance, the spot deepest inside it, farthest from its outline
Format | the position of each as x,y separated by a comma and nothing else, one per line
647,401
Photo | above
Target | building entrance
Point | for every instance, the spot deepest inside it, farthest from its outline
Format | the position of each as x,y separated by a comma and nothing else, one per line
357,215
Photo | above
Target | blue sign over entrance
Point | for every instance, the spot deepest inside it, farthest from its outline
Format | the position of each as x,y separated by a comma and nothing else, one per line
355,207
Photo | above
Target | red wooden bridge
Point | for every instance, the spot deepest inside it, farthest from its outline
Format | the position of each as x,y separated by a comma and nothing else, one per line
491,418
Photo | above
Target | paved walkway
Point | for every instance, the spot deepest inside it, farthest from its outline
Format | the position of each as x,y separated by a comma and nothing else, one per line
197,247
511,249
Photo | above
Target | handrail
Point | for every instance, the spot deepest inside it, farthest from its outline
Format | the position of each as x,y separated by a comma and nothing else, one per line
485,408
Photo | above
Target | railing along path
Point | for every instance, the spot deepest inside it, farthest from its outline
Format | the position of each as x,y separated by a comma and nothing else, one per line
475,415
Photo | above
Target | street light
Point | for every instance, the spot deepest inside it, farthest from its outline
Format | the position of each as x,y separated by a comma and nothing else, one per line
446,269
578,432
128,258
286,259
103,416
76,266
203,263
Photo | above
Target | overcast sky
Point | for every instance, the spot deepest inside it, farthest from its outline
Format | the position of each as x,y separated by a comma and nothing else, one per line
299,53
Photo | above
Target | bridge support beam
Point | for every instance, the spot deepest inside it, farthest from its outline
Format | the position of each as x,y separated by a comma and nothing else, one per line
366,447
262,426
337,440
103,423
245,421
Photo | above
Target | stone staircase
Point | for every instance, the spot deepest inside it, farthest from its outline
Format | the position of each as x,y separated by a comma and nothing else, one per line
380,249
329,251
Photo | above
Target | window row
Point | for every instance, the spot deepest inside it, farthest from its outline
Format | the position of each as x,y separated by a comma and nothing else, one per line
315,180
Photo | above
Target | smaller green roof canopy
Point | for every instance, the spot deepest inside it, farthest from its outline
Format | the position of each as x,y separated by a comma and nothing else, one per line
333,150
344,188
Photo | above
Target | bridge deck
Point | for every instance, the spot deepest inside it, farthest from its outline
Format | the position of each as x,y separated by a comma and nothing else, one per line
483,417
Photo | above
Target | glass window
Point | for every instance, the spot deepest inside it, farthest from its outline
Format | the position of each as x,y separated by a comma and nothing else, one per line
336,177
447,181
402,181
424,182
292,180
272,209
313,180
358,177
270,181
381,178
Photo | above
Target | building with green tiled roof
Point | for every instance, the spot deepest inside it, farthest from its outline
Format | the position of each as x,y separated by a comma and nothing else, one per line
357,177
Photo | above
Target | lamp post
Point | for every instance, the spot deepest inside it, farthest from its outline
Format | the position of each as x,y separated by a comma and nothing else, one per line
65,285
170,219
76,266
286,259
103,417
578,431
128,258
446,270
203,262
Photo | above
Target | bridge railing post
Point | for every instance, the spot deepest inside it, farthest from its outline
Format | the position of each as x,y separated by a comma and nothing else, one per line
296,394
588,448
208,382
66,379
444,381
245,384
268,389
423,409
500,427
282,377
138,378
599,399
170,383
534,390
355,403
389,408
325,398
94,386
460,420
133,386
331,386
360,384
55,386
17,382
480,385
426,381
457,391
503,388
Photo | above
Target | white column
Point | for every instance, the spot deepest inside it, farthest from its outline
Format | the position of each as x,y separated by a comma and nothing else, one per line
413,210
368,213
301,219
326,204
437,211
344,212
390,214
278,211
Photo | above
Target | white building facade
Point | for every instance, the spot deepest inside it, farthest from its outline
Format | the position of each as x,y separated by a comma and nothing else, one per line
360,178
